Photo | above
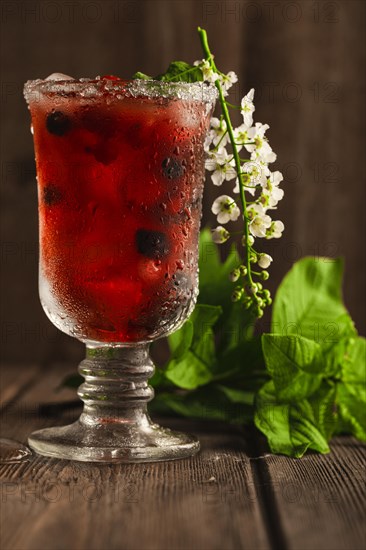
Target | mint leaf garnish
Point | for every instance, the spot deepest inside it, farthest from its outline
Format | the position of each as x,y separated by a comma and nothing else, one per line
295,364
319,381
193,349
141,76
290,428
309,301
351,391
178,71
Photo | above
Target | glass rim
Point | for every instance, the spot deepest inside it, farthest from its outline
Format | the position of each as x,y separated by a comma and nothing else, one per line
136,88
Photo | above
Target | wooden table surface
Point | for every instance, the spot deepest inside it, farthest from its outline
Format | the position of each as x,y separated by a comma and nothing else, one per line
233,495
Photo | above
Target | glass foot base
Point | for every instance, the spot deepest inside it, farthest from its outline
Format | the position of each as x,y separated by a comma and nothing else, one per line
113,443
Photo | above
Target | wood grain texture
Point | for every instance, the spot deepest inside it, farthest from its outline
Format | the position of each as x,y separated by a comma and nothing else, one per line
320,499
207,502
14,380
231,496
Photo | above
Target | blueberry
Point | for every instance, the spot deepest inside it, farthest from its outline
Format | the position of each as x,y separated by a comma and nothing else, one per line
51,195
172,168
152,244
58,123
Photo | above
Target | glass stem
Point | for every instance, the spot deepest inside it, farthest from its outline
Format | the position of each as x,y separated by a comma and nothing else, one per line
116,385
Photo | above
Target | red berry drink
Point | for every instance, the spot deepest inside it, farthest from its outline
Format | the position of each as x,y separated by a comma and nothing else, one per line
120,170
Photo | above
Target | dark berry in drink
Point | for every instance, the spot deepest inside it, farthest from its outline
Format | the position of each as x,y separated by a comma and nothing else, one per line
51,195
152,244
58,123
172,168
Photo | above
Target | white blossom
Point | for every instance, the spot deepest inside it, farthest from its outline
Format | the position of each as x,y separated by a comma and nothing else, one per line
220,234
227,81
222,166
265,260
247,107
259,220
218,132
241,135
226,209
275,230
275,178
272,194
260,149
272,198
209,75
253,173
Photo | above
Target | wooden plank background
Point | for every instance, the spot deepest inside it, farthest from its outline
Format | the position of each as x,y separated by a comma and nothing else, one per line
306,61
231,495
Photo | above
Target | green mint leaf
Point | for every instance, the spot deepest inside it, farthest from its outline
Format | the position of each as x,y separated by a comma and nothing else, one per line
295,364
309,302
291,429
215,286
194,355
207,403
338,353
180,71
181,340
237,327
351,402
236,395
203,318
243,366
351,391
141,76
305,429
324,408
236,324
188,372
354,362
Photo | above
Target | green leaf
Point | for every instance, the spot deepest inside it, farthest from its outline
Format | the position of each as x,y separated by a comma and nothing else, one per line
243,366
309,302
354,362
203,318
323,404
237,395
238,327
180,71
207,403
236,324
181,340
141,76
291,429
215,286
188,372
305,430
351,401
194,355
336,353
295,364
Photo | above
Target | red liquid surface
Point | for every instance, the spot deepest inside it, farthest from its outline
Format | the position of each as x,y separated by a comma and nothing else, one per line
120,187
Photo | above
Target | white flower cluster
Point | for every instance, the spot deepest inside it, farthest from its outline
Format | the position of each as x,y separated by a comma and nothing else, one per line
259,182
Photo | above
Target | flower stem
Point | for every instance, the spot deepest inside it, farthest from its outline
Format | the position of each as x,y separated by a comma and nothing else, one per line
209,57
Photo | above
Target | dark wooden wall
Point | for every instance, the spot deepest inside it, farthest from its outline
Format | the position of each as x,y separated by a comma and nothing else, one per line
306,61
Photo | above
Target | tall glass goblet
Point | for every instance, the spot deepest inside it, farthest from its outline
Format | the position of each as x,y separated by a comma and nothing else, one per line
120,169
